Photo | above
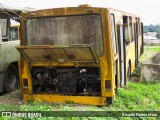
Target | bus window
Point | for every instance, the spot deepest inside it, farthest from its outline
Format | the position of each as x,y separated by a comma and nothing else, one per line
128,29
4,27
14,33
113,34
3,23
66,30
131,29
139,27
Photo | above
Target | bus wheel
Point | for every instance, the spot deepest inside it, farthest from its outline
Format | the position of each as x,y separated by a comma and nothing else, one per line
11,79
129,73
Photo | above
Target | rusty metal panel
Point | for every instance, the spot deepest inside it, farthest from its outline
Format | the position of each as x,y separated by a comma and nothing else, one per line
59,54
65,30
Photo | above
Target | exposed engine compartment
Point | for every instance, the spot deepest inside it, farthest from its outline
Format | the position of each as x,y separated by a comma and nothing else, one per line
66,80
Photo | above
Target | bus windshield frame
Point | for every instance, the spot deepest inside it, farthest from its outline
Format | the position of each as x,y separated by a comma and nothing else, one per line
66,30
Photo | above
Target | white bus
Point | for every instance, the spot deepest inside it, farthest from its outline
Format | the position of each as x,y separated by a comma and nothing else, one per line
9,56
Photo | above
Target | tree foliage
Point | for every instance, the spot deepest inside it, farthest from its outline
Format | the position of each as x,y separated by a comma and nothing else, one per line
152,28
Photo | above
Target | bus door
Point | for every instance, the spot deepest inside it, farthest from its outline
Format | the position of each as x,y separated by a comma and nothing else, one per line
114,40
121,47
136,42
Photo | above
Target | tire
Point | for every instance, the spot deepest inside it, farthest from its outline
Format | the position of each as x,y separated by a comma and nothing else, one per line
11,79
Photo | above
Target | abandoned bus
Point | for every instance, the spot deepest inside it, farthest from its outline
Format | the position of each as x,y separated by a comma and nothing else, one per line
9,56
79,54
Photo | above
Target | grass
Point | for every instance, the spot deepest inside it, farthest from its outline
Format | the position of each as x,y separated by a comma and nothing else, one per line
138,97
149,51
134,97
152,48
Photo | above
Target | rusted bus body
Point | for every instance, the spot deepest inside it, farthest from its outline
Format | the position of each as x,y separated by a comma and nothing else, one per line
132,31
73,54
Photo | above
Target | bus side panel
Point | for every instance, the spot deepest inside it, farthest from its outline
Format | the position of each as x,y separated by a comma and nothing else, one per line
8,55
1,71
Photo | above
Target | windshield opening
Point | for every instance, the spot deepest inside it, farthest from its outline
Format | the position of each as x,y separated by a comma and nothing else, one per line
3,25
66,30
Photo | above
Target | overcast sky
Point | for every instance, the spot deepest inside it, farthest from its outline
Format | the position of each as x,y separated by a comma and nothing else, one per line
149,10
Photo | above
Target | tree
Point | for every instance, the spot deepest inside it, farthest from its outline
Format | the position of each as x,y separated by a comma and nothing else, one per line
152,28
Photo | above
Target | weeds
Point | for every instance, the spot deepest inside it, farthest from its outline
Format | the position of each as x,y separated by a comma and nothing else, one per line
143,96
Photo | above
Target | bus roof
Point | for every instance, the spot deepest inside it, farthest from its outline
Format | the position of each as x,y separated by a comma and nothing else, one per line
86,6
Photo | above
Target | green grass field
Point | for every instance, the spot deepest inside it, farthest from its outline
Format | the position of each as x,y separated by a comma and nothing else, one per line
149,51
142,96
152,48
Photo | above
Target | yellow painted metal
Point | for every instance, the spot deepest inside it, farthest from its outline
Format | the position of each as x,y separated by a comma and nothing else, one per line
20,77
25,74
106,61
92,100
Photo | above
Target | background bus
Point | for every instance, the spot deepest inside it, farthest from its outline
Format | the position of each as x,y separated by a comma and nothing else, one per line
81,54
9,56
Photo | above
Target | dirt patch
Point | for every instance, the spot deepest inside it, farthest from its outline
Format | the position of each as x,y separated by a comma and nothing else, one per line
151,72
156,59
11,98
146,57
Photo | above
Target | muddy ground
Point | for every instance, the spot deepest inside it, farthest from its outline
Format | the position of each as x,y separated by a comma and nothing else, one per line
11,98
